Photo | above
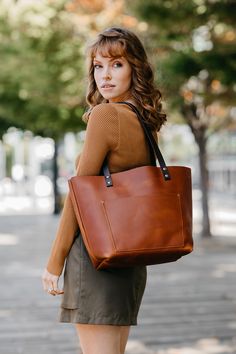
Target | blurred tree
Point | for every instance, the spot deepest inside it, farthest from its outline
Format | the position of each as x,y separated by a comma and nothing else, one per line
41,72
41,68
193,45
93,16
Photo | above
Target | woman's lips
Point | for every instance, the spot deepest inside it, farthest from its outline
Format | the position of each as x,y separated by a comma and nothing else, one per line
107,87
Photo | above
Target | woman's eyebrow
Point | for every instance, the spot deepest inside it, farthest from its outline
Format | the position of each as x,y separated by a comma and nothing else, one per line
111,59
115,58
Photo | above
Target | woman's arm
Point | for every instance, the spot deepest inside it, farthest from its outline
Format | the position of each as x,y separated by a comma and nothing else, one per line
69,225
102,135
77,161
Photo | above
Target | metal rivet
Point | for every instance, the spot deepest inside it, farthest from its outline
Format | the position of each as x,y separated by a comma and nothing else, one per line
166,175
108,182
107,176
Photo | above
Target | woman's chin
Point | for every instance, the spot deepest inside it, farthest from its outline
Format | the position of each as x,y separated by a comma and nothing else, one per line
108,96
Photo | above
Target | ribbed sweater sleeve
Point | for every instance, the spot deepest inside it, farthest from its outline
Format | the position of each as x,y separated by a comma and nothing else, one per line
102,136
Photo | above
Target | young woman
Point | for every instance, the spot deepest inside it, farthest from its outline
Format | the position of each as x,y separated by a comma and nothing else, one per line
104,304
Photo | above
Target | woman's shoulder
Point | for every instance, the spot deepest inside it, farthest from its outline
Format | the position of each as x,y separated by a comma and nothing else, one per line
104,116
104,109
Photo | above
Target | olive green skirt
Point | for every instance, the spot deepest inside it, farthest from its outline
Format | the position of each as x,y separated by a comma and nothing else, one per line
108,297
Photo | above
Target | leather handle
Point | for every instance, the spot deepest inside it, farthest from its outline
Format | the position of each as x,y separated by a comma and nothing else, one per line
152,143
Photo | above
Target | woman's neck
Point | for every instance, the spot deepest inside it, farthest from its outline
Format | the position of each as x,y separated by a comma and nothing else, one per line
126,96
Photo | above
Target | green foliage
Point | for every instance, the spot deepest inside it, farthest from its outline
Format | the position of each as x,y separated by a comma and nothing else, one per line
193,39
41,69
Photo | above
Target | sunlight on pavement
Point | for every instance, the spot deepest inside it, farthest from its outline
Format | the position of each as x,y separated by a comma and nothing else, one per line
5,313
230,268
203,346
136,347
222,269
8,240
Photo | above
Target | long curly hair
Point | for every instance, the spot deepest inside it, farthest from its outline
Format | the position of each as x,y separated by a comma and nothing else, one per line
119,42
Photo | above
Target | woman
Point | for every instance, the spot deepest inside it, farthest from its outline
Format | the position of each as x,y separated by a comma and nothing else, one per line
104,304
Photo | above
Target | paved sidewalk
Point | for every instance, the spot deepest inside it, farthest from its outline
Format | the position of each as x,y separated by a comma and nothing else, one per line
189,306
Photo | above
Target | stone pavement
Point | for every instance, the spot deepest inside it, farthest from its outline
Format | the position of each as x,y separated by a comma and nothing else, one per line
189,306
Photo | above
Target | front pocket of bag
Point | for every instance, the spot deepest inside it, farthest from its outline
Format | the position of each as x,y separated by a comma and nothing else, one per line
145,222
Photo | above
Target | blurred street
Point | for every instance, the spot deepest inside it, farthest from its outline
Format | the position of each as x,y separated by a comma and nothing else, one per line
189,307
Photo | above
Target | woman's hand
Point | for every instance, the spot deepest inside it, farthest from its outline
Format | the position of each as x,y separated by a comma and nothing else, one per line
50,283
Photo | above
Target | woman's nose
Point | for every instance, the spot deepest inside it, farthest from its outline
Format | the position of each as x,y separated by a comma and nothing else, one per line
107,74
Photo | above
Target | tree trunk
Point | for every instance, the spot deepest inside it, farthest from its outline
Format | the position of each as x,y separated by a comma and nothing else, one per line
201,141
57,207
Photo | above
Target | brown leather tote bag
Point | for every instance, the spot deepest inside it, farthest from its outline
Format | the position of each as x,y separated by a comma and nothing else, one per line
140,216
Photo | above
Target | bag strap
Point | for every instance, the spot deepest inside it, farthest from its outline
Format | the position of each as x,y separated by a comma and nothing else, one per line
151,140
152,143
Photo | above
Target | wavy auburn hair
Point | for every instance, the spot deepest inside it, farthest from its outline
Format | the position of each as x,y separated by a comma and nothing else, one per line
119,42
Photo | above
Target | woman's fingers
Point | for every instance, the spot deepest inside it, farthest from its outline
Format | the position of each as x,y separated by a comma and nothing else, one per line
56,290
50,283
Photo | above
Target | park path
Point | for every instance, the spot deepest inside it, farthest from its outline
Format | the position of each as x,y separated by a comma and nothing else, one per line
189,306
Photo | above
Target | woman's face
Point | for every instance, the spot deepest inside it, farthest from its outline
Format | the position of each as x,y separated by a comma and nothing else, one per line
112,76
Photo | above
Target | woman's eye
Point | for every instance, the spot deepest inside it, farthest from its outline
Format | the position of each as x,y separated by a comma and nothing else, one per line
97,66
117,64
